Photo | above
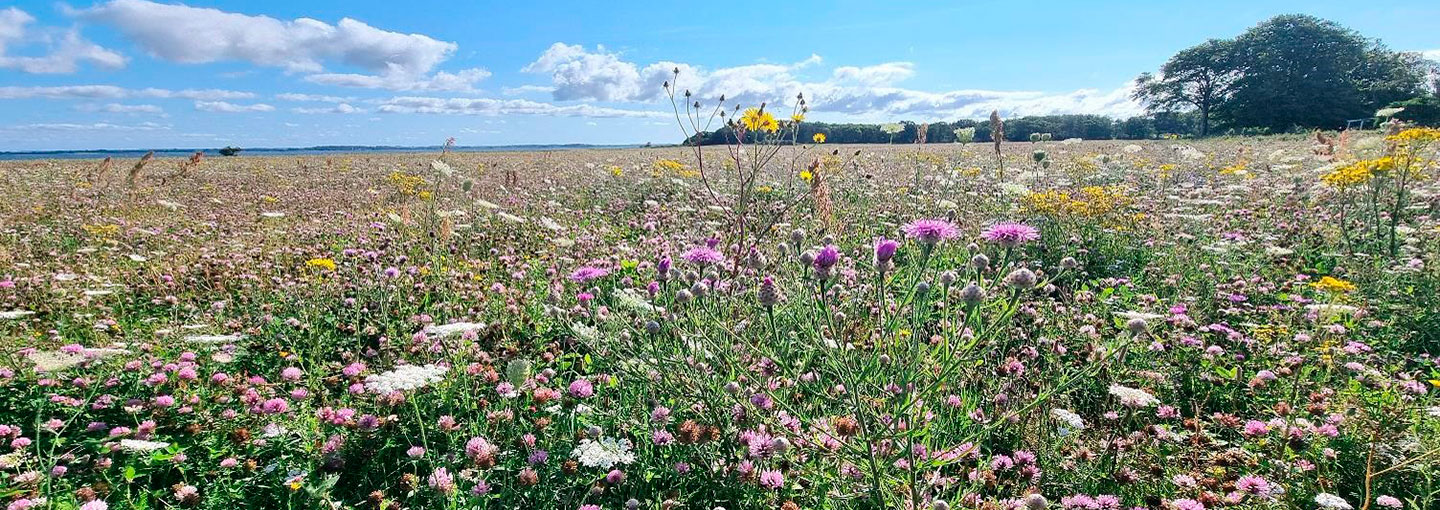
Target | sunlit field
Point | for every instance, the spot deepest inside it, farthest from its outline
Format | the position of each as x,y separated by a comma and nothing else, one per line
1226,323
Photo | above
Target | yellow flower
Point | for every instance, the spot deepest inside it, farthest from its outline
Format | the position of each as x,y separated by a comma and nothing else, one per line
1416,135
1332,284
322,264
797,118
806,176
616,171
819,138
755,119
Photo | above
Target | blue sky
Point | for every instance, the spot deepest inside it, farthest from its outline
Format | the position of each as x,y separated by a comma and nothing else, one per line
141,74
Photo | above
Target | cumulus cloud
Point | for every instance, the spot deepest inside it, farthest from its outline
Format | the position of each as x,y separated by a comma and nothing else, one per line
1431,54
577,73
114,92
225,107
195,35
486,106
342,108
66,50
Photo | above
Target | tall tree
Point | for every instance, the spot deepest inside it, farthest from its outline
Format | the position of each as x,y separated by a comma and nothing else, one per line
1297,70
1199,78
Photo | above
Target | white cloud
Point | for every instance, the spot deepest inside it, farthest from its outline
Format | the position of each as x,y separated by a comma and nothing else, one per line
121,108
224,107
312,98
1431,54
339,108
462,81
486,106
195,35
527,89
66,49
867,92
97,126
113,92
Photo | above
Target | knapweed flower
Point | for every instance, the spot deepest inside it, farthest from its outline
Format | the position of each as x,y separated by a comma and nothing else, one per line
588,273
885,250
826,258
1010,234
930,231
703,255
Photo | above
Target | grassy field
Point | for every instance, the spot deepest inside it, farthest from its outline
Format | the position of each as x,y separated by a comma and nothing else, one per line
1225,323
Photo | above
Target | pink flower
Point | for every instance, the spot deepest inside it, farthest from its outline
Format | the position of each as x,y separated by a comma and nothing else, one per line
772,479
1010,234
931,231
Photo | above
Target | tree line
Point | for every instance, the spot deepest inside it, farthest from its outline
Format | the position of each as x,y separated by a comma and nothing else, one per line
1289,73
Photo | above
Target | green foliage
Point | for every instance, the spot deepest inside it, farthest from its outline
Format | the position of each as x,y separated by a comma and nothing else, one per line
1424,111
1291,72
230,151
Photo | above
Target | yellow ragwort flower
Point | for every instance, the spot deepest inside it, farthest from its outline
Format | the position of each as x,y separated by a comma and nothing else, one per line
1333,285
322,264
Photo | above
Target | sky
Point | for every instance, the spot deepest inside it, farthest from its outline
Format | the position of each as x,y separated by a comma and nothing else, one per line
137,74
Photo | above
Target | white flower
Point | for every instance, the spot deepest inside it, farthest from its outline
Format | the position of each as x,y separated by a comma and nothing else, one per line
455,328
16,314
630,300
54,361
584,332
486,204
442,167
273,214
1139,315
1330,310
604,453
1133,397
214,339
1328,500
405,378
136,445
1069,418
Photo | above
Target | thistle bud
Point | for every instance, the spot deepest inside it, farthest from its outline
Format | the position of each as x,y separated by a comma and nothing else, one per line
972,294
1021,278
1069,263
1036,502
980,262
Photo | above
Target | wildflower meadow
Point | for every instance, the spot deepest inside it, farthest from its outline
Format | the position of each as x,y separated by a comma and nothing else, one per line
1222,323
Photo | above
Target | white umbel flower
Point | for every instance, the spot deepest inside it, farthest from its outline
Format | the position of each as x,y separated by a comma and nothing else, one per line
1133,397
136,445
1071,420
405,378
214,339
15,314
1332,502
452,329
604,453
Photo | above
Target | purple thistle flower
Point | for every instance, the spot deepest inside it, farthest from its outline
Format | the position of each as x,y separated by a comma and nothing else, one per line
588,273
1010,234
827,257
931,231
703,255
885,250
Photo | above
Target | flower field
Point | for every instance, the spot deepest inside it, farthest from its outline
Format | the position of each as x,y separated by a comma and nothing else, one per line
1245,323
